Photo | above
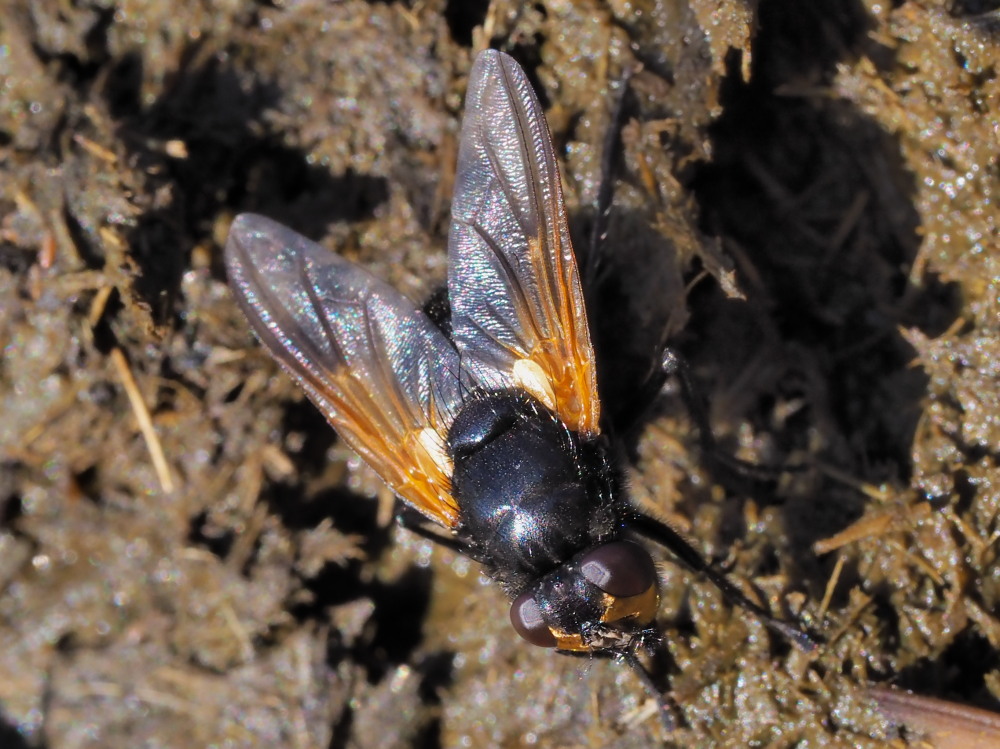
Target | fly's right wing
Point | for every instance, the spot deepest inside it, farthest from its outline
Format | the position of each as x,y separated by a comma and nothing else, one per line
380,371
518,313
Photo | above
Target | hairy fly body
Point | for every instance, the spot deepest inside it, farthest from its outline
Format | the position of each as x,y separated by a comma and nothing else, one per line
493,430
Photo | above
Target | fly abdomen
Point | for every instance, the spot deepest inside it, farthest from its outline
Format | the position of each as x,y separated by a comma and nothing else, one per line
525,504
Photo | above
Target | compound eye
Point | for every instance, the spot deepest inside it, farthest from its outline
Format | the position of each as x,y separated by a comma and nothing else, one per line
619,568
526,616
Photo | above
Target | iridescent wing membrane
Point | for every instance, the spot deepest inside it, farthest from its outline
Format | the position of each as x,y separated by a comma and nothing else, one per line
518,315
380,371
384,376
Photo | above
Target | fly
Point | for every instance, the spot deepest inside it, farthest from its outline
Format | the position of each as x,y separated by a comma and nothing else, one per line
493,429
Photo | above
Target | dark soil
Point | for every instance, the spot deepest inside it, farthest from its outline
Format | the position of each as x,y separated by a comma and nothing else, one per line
806,205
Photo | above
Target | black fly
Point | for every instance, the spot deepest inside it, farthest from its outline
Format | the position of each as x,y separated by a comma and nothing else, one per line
493,430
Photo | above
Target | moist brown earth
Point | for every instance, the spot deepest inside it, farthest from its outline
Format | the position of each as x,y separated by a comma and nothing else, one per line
805,205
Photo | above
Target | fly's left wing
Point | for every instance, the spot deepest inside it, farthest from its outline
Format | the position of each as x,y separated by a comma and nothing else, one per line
380,371
518,315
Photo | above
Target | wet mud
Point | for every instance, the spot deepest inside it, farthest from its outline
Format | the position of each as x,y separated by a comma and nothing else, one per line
805,206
